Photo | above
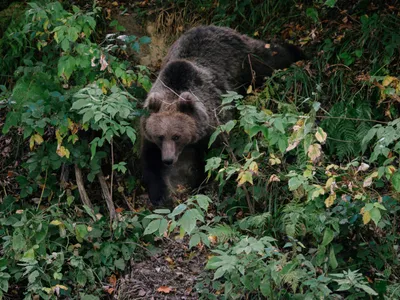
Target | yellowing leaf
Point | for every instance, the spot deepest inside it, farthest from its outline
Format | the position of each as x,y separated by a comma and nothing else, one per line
244,177
59,137
366,217
330,200
56,222
329,182
368,181
249,89
317,192
62,151
35,139
388,80
273,160
314,152
321,135
253,167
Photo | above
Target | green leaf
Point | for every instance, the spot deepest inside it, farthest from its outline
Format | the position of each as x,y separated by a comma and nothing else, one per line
66,66
278,124
81,232
265,288
81,278
295,183
177,210
120,264
214,136
330,3
89,297
163,227
375,214
194,240
203,201
328,237
332,259
367,289
144,40
312,13
32,277
152,227
396,181
219,273
162,211
18,240
188,220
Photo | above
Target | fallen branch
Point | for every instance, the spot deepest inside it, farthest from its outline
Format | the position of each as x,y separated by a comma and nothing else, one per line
107,195
81,188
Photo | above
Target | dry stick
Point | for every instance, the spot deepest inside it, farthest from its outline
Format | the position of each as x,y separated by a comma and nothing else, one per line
107,195
112,171
233,157
81,188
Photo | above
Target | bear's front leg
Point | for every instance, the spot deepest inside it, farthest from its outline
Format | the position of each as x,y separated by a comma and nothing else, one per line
153,169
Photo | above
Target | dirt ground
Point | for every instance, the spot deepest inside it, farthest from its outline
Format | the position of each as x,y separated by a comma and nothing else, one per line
169,274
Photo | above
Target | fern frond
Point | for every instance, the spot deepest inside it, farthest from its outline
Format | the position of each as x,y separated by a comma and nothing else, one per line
224,232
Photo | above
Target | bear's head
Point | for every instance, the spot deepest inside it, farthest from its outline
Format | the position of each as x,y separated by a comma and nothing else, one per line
171,125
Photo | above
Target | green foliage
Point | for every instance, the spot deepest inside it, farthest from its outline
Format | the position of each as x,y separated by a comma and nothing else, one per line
184,217
55,253
66,86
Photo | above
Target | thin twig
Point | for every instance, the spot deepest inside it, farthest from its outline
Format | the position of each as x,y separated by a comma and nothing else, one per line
233,157
352,119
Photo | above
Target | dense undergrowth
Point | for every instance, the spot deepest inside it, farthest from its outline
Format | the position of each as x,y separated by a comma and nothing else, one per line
308,192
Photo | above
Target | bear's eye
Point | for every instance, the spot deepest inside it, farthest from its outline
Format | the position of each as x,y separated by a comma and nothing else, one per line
161,137
175,137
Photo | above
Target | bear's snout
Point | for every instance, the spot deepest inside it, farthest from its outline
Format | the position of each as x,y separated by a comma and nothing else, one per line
168,161
168,153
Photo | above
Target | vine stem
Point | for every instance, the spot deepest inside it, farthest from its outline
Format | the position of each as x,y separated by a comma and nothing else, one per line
41,195
233,157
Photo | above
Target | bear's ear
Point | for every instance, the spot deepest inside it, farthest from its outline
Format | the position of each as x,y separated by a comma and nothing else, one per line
153,102
186,103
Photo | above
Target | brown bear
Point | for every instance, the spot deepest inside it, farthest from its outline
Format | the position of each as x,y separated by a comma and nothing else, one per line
202,64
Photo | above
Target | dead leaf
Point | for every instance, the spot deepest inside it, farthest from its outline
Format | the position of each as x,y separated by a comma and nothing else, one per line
103,62
169,261
119,210
112,280
368,181
363,167
62,151
267,46
292,145
213,239
314,152
164,289
273,178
